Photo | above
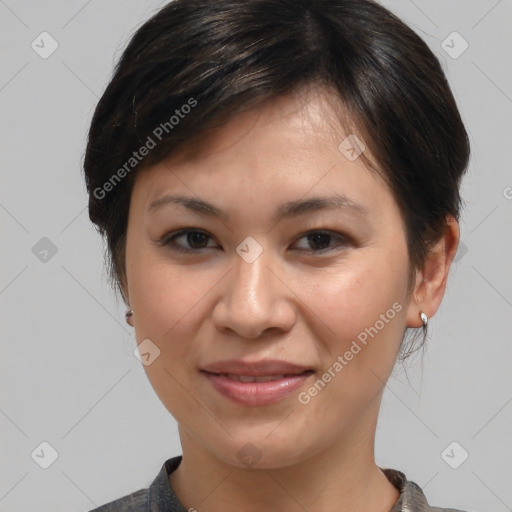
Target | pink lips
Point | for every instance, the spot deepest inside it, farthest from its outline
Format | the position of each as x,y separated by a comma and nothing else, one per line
272,380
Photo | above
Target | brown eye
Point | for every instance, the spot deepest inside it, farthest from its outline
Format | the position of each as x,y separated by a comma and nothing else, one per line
320,241
194,238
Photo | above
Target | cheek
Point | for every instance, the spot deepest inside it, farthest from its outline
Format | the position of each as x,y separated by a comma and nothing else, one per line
364,305
363,301
170,299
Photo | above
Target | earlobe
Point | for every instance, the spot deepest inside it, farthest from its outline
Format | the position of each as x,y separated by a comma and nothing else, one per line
129,317
432,278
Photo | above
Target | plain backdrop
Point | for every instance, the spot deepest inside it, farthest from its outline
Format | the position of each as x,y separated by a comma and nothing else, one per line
69,378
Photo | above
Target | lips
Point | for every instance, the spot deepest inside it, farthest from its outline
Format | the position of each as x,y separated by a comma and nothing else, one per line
256,384
252,378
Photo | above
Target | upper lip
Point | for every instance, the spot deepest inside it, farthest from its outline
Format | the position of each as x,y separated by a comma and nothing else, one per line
255,368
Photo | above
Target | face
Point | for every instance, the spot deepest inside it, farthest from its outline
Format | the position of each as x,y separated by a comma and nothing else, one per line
266,274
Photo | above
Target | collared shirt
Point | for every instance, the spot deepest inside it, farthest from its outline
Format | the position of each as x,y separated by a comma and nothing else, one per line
160,496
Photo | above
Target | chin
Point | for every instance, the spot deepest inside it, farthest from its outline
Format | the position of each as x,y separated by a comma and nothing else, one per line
260,453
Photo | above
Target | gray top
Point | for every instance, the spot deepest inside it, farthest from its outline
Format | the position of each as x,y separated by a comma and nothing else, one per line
160,497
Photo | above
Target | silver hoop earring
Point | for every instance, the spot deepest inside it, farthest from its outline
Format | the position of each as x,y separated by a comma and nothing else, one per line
424,319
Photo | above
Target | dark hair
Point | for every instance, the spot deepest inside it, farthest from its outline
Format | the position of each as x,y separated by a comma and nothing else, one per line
218,58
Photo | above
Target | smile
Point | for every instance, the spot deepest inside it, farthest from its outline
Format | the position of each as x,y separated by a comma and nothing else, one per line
254,391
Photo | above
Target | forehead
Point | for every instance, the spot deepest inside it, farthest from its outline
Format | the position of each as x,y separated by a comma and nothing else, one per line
317,114
289,147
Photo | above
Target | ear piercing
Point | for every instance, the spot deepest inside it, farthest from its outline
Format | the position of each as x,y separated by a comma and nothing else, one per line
423,316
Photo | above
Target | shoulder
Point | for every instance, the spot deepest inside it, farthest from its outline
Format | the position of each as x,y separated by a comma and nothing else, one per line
135,502
439,509
159,495
412,498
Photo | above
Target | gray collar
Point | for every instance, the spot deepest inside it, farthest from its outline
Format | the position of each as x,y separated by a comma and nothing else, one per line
161,496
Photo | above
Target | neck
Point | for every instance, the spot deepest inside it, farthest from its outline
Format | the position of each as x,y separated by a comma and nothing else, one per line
342,477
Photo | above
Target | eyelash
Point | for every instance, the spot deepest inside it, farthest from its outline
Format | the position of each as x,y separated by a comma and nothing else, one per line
170,240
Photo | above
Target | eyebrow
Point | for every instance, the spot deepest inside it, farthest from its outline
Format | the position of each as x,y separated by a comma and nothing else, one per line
286,210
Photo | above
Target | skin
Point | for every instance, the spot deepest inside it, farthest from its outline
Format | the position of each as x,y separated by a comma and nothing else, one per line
292,303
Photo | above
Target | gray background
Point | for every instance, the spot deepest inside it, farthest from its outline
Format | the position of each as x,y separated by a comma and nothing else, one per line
68,373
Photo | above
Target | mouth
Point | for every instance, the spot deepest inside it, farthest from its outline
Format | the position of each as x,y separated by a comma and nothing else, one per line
256,384
260,378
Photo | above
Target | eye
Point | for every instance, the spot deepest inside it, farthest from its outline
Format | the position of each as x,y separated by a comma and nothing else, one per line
193,237
320,241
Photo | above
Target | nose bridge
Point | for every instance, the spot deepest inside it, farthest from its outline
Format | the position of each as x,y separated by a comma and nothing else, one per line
251,285
252,299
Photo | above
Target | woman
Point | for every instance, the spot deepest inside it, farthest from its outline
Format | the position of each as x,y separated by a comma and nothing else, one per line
278,185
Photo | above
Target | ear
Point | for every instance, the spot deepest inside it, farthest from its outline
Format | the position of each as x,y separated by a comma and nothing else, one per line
431,279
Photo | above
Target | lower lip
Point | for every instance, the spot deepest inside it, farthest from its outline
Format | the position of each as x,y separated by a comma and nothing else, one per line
256,393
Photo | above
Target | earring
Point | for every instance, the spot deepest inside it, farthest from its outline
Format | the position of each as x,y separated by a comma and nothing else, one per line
128,315
424,319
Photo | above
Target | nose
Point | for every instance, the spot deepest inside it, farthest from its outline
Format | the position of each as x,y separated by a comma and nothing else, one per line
254,299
